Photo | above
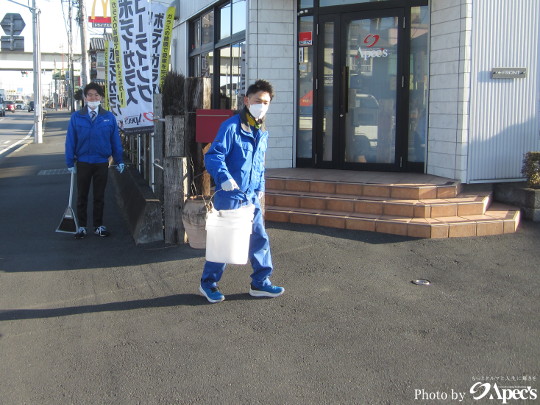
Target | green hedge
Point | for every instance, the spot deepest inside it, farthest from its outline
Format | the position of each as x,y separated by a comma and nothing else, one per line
531,169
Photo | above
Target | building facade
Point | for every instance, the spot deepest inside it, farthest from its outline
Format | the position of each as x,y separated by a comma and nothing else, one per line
96,53
444,87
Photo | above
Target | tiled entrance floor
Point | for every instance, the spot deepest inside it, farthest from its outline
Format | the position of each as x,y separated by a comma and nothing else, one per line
356,176
409,204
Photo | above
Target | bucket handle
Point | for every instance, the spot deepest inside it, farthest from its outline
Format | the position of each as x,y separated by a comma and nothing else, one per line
246,202
194,188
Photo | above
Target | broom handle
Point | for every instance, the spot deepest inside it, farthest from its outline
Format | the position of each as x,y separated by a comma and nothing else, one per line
71,188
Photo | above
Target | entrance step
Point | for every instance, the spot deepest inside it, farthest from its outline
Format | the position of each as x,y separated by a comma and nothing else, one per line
416,210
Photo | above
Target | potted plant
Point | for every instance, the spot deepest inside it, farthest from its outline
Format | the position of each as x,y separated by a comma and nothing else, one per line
194,220
194,213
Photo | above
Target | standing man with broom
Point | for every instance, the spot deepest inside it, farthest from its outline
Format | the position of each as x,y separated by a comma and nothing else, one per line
91,139
236,162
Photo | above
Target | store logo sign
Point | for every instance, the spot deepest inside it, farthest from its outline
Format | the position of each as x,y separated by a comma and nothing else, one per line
371,40
370,52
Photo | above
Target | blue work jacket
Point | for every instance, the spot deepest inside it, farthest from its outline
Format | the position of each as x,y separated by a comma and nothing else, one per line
238,152
93,142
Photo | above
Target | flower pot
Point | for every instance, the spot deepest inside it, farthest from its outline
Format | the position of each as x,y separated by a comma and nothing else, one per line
194,220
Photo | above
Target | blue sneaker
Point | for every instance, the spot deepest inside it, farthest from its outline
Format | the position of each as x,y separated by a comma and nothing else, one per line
213,294
266,291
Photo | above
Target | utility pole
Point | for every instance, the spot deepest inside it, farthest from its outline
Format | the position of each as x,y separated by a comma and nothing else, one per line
70,50
84,35
38,115
38,99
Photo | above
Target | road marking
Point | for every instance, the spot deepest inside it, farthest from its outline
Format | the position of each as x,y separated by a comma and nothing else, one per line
53,171
18,142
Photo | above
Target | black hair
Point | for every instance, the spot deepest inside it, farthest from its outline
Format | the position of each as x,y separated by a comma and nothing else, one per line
260,85
93,86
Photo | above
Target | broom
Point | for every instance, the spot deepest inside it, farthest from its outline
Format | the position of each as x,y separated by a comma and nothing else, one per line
69,224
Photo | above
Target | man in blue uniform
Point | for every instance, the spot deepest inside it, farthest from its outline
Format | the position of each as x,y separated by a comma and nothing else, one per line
236,162
91,139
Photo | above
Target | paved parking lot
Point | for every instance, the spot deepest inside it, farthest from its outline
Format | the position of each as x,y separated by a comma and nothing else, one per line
104,321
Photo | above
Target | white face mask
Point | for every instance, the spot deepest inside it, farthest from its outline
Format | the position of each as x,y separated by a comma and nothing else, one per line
93,104
258,110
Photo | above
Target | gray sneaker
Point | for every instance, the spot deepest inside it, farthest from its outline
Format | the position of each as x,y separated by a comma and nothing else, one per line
102,231
81,233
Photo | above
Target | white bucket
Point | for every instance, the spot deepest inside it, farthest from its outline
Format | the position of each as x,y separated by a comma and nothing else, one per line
227,234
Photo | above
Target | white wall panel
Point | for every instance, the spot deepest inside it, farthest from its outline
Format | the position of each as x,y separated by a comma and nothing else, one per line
504,113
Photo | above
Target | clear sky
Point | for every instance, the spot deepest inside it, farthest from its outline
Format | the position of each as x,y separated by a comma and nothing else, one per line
54,22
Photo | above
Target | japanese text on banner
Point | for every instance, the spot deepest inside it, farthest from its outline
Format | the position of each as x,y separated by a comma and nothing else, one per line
131,45
111,88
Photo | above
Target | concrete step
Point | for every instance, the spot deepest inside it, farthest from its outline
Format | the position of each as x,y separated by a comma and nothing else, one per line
395,191
498,219
463,204
415,209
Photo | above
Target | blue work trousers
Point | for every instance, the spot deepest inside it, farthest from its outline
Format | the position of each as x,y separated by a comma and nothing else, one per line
259,252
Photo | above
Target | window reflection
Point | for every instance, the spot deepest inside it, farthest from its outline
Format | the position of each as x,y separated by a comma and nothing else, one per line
197,34
207,30
229,62
325,3
231,76
225,21
371,117
207,64
305,84
239,15
328,92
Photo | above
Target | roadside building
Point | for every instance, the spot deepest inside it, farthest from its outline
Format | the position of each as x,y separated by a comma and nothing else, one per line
442,87
96,53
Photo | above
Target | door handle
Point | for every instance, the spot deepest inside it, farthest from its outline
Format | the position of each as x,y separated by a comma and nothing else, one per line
345,90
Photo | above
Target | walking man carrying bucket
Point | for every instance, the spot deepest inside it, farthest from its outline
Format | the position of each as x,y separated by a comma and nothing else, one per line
236,162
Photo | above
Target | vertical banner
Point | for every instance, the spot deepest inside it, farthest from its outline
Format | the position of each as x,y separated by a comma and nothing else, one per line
130,21
116,50
142,31
166,47
107,76
111,88
162,18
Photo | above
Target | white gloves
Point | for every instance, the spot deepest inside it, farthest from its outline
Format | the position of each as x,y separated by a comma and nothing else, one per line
120,167
229,185
72,170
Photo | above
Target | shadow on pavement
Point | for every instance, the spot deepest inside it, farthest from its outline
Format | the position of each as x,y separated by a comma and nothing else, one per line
361,236
168,301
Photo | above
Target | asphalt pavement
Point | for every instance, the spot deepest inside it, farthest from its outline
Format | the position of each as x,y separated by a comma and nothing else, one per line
104,321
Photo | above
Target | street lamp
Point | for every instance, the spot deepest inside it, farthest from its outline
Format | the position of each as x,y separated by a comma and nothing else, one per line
38,115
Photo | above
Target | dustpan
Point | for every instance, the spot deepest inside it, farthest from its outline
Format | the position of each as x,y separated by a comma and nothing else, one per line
69,224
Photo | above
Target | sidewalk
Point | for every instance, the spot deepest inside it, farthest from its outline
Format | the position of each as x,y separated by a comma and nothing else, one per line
101,320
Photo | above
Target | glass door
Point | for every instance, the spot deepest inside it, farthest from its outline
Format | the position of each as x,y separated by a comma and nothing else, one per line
360,86
328,125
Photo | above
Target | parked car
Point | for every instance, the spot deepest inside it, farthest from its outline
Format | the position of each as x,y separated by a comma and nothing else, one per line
10,106
30,106
2,108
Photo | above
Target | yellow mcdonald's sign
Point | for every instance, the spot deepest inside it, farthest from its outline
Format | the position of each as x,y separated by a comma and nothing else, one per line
104,9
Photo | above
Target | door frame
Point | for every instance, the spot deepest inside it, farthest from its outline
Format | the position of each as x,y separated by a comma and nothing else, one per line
341,85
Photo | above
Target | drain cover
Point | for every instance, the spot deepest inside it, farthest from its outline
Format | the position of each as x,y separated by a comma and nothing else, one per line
421,281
